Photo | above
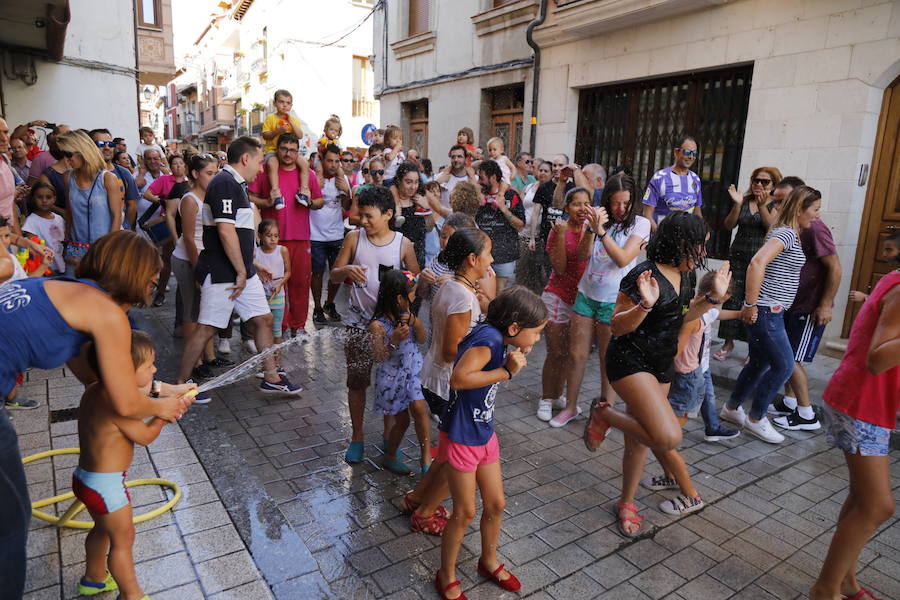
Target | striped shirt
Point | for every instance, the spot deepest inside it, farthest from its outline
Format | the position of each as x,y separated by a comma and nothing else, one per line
782,277
668,191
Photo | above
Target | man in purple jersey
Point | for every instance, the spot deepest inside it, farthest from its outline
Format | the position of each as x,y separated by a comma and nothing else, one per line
676,187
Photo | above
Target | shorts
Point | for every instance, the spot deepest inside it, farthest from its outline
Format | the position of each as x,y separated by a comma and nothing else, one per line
687,392
557,310
467,458
358,350
601,312
804,335
506,270
436,403
276,305
216,305
853,436
101,493
324,252
624,360
187,289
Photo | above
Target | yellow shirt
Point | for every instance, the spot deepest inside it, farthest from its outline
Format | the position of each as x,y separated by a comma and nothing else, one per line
272,122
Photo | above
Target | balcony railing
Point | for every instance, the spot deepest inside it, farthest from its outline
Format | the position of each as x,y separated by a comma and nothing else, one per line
363,107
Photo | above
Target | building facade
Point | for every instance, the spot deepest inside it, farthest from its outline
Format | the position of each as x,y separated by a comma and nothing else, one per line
255,47
809,87
83,62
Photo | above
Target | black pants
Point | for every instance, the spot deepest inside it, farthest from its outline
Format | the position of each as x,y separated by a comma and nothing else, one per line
15,508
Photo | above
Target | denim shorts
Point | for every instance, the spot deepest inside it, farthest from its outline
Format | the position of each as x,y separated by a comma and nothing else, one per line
853,436
506,270
601,312
687,392
324,253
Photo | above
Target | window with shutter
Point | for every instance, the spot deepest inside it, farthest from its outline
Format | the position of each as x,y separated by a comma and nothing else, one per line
418,17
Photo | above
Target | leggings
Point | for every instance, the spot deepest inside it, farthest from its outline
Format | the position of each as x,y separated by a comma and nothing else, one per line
276,305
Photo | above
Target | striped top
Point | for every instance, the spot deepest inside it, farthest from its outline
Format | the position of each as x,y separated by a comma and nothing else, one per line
782,277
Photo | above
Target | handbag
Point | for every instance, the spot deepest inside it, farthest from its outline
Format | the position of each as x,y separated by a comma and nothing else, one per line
157,229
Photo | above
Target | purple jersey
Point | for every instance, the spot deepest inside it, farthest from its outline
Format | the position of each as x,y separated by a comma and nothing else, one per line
668,191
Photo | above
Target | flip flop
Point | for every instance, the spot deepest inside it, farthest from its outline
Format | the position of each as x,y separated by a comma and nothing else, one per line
722,354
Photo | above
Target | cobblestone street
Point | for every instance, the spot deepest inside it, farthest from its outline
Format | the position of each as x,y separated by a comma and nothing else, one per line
270,504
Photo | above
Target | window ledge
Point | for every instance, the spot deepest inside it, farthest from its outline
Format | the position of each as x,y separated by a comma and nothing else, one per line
503,17
417,44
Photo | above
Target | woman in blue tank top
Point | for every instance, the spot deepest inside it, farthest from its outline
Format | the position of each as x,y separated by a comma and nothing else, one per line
45,323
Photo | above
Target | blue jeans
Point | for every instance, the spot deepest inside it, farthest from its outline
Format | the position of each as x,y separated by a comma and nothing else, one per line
15,508
771,363
708,408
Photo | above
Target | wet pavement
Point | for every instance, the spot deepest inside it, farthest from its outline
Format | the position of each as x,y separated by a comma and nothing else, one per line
315,527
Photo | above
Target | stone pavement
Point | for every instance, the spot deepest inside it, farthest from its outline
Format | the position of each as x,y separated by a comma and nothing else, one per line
318,528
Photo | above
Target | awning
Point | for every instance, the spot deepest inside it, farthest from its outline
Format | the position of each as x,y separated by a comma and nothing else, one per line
31,25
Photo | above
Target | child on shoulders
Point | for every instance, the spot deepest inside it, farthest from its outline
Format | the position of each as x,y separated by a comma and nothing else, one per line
281,122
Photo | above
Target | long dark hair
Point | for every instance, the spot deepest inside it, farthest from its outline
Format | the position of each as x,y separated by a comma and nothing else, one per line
516,304
680,236
463,242
393,283
403,170
620,182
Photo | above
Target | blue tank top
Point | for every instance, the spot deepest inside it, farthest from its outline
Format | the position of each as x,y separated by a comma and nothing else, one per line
90,209
32,332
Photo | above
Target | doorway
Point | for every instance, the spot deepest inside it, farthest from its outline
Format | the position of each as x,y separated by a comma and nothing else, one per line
881,215
415,114
507,106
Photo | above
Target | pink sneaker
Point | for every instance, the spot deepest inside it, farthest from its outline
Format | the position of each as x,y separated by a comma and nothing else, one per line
564,416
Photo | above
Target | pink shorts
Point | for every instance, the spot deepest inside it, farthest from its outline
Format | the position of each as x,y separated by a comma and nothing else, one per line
467,458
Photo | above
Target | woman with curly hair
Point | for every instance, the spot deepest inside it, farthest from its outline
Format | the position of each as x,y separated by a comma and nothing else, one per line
645,324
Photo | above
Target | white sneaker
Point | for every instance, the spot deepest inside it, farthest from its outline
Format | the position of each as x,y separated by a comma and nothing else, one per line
545,409
224,346
249,346
763,430
681,505
736,416
560,402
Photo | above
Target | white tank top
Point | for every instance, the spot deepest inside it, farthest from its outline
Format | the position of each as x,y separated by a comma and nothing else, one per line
180,251
274,263
377,259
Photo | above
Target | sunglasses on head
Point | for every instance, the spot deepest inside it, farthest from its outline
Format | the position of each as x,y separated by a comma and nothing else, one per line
102,144
689,152
760,181
376,172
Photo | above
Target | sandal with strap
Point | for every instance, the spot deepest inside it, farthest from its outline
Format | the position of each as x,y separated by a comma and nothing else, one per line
433,525
410,507
442,590
862,594
596,428
622,519
510,584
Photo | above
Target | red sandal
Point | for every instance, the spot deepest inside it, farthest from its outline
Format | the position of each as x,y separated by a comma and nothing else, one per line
621,520
510,584
409,507
443,590
862,594
596,428
433,525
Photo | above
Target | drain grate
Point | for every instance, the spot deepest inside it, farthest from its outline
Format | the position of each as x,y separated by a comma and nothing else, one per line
63,415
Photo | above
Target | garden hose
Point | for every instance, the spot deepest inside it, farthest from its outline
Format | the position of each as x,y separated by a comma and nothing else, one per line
68,518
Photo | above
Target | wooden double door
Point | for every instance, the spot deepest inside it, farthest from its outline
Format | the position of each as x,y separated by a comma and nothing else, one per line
881,216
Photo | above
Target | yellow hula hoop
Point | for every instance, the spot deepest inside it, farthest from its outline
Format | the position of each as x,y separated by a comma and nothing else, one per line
68,518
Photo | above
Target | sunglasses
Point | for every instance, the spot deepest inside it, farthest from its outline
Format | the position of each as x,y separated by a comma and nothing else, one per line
689,153
347,160
102,144
365,171
759,181
376,172
528,161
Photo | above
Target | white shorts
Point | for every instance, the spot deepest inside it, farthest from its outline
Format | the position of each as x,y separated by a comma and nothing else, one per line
557,310
216,306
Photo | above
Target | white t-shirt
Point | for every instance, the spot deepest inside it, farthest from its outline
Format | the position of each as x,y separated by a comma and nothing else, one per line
390,168
528,205
602,276
707,318
453,298
446,188
53,232
327,223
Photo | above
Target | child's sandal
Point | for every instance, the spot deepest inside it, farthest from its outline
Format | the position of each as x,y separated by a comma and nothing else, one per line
409,506
622,519
433,525
442,590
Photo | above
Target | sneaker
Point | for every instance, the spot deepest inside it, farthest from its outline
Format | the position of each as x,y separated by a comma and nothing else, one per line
201,397
284,386
319,316
399,220
224,346
354,453
332,313
659,482
779,407
560,402
545,409
218,363
681,505
563,417
421,211
735,415
794,422
249,346
764,431
202,372
86,587
20,403
722,433
262,374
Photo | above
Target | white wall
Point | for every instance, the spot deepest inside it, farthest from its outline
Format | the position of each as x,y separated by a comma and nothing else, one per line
100,30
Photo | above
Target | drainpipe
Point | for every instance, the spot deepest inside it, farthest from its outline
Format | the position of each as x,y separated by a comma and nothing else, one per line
56,31
536,77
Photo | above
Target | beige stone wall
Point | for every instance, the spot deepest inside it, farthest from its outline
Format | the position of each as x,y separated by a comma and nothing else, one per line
156,56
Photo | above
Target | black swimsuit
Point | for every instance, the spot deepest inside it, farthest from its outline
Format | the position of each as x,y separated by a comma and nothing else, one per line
650,348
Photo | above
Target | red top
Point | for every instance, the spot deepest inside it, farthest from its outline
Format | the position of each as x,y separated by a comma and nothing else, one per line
566,285
853,390
293,219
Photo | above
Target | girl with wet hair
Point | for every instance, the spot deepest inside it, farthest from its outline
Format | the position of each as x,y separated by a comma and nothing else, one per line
645,324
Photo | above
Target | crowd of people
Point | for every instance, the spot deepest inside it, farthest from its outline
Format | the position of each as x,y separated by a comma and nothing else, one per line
471,262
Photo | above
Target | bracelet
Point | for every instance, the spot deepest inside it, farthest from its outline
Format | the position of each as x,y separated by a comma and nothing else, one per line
589,229
508,372
155,388
748,305
641,306
602,235
711,301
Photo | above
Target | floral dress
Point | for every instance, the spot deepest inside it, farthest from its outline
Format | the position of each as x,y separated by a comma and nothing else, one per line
397,382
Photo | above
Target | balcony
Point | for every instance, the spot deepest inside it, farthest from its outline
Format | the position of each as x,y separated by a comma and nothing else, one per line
363,107
218,118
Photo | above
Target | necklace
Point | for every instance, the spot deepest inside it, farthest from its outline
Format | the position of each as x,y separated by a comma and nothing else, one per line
467,281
